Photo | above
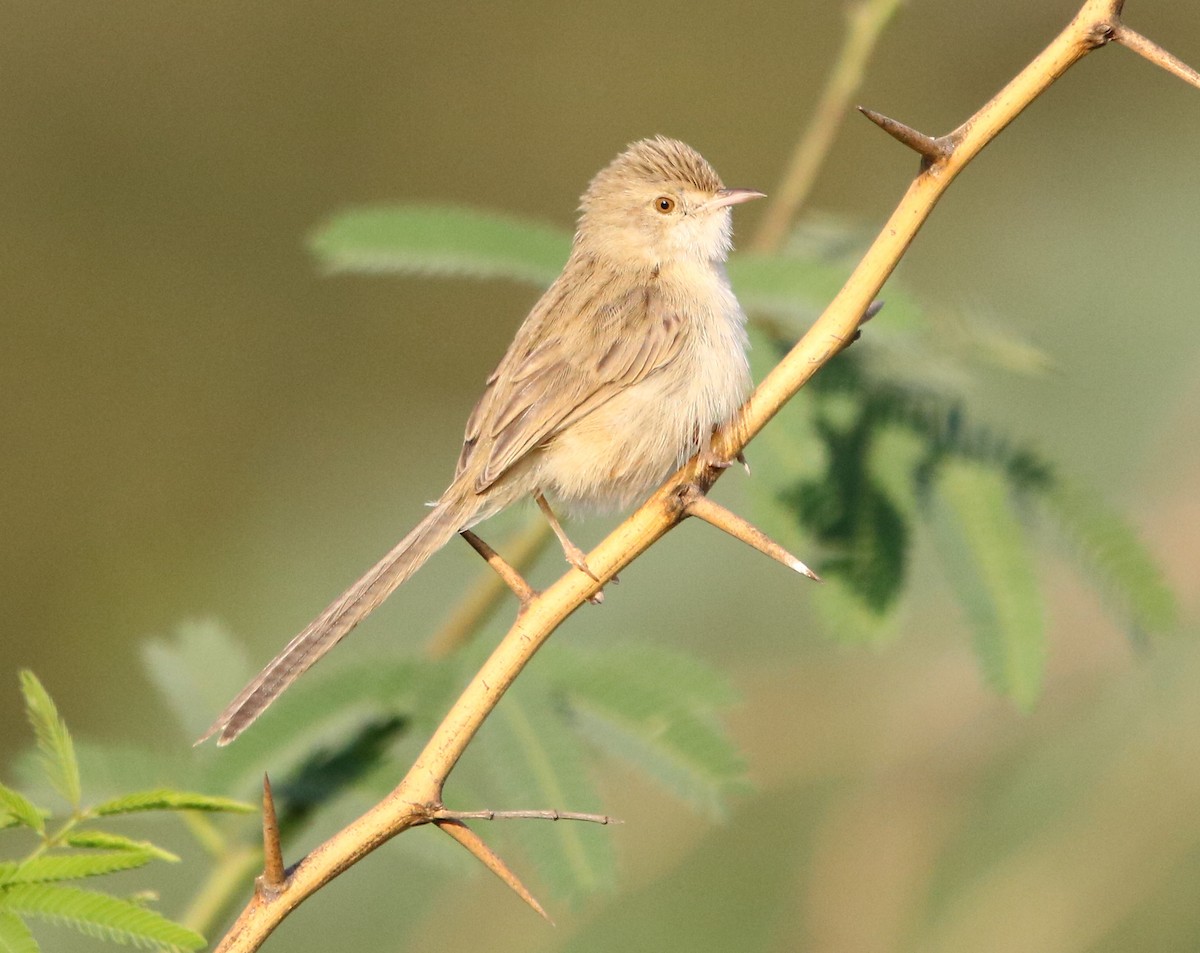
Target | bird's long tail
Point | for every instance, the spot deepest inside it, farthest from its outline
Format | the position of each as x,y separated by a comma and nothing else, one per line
457,510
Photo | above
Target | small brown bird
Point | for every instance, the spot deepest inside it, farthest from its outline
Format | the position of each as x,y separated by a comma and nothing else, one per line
619,374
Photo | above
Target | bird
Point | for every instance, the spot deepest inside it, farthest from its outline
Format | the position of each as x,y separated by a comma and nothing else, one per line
620,373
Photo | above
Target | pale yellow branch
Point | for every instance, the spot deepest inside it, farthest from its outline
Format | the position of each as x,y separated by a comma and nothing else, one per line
418,795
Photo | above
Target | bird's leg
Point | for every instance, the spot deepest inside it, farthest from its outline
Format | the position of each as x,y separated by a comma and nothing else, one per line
575,555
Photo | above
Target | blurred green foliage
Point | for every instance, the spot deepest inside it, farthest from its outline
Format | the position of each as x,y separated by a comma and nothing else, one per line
836,477
68,847
195,422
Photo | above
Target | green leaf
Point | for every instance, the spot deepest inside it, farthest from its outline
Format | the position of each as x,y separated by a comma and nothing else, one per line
410,239
658,710
21,809
102,840
196,672
535,763
14,935
990,563
785,452
1108,548
99,915
847,618
784,286
164,799
72,866
848,510
321,710
330,771
54,742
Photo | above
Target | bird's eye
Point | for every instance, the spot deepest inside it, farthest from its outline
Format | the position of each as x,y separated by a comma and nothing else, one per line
665,204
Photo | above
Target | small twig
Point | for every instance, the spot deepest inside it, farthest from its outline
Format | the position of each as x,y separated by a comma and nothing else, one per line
445,814
513,579
488,592
490,859
698,505
866,22
273,878
1132,40
929,148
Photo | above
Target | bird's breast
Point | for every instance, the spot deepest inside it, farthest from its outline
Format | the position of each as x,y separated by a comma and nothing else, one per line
620,452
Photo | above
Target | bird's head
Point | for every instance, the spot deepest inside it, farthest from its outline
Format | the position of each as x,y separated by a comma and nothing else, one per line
658,201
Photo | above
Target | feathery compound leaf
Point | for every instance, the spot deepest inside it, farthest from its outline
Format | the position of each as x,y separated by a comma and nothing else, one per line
414,239
658,710
535,762
846,508
54,743
73,867
320,711
195,672
102,840
1109,548
22,811
329,772
99,915
659,677
14,935
164,799
989,560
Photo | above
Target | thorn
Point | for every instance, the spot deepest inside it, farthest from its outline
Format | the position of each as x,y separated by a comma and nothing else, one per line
273,878
932,150
474,843
723,519
1131,39
445,814
513,579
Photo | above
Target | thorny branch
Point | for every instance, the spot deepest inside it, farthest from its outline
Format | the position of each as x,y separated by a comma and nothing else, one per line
418,797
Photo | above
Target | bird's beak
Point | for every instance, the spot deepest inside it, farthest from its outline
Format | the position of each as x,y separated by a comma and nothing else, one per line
726,197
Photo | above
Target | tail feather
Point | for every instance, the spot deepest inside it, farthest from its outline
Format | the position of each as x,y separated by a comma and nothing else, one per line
454,512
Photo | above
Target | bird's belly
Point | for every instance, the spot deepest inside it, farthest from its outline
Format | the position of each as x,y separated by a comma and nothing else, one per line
625,448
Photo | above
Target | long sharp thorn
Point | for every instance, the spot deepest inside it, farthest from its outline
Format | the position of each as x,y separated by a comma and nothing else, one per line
929,148
273,875
1143,46
474,843
723,519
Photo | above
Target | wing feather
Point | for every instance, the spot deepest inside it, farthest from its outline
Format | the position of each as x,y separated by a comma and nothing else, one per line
549,378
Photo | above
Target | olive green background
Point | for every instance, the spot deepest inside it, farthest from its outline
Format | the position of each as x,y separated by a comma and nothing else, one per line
196,423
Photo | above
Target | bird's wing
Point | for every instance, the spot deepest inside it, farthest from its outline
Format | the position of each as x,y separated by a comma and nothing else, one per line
560,368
